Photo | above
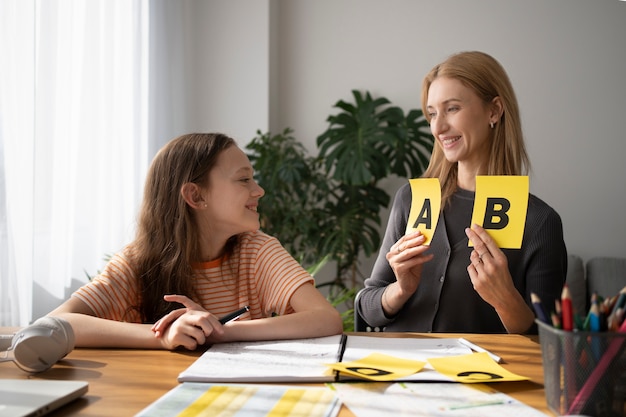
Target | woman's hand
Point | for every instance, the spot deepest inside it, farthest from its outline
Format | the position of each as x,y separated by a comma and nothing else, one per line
489,268
189,327
491,278
406,258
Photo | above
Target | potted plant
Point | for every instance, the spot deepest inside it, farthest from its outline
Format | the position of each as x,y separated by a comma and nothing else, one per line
327,207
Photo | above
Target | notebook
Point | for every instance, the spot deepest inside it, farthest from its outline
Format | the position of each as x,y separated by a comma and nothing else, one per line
32,397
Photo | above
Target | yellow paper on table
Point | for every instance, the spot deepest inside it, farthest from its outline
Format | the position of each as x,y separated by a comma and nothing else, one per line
425,206
379,367
473,368
500,208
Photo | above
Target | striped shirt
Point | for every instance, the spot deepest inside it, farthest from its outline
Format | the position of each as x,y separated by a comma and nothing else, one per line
260,274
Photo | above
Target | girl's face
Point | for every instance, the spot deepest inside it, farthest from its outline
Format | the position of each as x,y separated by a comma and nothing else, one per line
232,195
459,121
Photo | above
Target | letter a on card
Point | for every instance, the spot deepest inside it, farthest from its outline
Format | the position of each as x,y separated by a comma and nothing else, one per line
425,205
500,208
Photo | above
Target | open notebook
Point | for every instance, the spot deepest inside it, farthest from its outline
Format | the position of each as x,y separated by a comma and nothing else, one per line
306,360
34,397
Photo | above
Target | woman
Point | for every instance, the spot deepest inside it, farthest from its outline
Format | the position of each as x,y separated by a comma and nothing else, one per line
449,286
198,245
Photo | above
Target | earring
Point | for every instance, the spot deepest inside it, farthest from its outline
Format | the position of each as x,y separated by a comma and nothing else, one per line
206,205
491,124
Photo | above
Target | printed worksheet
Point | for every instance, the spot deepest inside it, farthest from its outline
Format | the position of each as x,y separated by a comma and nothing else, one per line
439,399
191,399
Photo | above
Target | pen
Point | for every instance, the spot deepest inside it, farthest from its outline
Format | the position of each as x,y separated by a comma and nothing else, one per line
234,315
477,348
476,404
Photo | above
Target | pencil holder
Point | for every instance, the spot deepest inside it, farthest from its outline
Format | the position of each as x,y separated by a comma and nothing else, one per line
584,372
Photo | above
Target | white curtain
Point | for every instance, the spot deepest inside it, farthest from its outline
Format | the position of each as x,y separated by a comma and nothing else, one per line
73,143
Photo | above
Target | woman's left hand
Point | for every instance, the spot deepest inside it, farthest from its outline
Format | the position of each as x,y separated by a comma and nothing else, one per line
488,268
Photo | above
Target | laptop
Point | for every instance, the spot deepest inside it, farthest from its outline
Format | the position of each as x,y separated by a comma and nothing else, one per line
34,397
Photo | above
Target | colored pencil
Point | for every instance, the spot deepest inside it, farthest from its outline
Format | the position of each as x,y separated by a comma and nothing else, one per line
539,311
584,395
567,312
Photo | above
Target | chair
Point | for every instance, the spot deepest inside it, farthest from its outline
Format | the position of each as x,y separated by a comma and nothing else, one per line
577,284
606,275
360,325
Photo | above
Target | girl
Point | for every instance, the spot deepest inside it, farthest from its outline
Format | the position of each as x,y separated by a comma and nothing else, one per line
198,245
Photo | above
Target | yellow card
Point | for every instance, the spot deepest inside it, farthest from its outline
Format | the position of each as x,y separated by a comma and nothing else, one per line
473,368
379,367
425,205
500,207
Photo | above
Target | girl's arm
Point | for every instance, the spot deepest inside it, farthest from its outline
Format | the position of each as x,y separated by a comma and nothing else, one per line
188,330
91,331
313,316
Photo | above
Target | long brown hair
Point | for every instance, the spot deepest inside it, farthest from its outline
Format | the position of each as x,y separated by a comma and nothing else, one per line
486,76
167,239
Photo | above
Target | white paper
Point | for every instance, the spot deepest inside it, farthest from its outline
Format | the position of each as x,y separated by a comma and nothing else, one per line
273,361
375,399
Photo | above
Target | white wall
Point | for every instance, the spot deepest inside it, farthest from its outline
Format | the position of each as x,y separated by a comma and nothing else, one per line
566,59
216,72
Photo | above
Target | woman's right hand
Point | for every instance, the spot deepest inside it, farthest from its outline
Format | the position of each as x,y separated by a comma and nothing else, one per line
406,258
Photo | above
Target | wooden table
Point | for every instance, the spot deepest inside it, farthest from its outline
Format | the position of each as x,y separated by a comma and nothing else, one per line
122,382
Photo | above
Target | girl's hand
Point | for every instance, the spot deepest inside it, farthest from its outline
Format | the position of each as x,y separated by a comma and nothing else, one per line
188,327
159,327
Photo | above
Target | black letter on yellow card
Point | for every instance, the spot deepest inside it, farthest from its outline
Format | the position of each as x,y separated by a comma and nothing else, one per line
496,209
479,375
368,371
425,216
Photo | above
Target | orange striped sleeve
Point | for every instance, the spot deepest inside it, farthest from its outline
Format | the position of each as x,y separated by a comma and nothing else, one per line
111,293
278,275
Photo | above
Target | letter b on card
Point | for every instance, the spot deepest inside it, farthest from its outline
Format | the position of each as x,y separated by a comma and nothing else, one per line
500,207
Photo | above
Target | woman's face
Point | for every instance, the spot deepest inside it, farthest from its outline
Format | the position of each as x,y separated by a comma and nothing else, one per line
459,121
232,195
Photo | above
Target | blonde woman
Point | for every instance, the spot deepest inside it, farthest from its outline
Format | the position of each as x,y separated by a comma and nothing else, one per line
448,286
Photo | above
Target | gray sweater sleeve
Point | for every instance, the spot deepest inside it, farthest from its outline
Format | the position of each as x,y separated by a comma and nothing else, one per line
369,305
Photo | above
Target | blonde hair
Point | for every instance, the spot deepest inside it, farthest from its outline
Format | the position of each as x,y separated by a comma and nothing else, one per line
488,79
